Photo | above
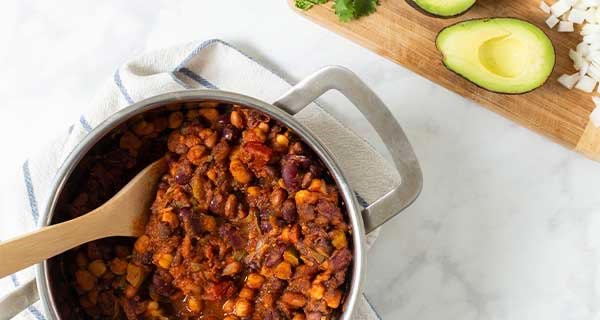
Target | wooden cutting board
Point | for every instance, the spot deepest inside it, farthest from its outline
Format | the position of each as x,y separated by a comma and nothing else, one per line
398,32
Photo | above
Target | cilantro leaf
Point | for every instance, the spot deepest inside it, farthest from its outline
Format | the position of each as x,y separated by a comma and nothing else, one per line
364,7
307,4
344,9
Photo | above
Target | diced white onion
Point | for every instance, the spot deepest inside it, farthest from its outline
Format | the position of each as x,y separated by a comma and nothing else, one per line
565,26
569,81
577,16
552,21
586,84
560,7
545,7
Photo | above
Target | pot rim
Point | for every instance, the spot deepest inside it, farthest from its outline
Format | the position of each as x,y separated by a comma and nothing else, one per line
123,115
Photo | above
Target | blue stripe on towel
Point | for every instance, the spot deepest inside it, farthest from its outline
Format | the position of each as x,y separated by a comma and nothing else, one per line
194,76
15,281
30,192
36,313
119,83
372,308
85,124
361,200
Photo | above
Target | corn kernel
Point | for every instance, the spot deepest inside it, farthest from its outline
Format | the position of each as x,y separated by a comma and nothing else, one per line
97,268
164,260
318,185
283,270
291,256
152,305
293,299
170,218
316,291
305,197
135,275
338,239
299,316
333,298
231,317
212,174
253,191
254,280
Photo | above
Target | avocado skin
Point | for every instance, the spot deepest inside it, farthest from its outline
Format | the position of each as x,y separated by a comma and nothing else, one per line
479,86
413,4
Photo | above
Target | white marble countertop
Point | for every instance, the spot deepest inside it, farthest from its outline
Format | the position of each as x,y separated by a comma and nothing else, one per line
507,226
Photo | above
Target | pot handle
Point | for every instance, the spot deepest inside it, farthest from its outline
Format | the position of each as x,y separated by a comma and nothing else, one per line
18,300
384,123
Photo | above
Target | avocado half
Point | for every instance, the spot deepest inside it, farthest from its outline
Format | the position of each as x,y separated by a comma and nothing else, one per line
444,8
504,55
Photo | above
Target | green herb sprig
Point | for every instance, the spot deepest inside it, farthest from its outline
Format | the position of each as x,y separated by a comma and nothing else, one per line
346,10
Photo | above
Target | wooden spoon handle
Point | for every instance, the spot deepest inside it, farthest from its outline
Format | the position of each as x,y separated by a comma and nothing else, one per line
31,248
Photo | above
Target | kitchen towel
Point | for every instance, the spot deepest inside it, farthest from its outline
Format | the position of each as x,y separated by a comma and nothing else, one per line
212,64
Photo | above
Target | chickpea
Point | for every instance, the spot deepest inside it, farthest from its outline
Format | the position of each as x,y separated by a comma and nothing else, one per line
160,124
118,266
175,120
210,114
142,243
264,127
232,268
299,316
231,205
243,308
239,172
97,268
92,296
143,128
122,251
130,142
236,119
293,299
246,293
131,291
254,280
196,155
277,197
228,306
81,260
194,304
152,305
281,142
85,280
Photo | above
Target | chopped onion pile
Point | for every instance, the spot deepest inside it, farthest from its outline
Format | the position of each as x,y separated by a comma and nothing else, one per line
586,56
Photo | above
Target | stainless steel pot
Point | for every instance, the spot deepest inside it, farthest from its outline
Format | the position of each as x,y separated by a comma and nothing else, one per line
362,221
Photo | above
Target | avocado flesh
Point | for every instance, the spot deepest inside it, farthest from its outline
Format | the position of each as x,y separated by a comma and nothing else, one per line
503,55
445,8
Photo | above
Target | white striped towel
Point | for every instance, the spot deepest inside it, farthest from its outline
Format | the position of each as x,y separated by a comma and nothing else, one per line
210,64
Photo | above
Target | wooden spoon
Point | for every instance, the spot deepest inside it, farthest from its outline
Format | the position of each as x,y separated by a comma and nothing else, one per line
124,214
